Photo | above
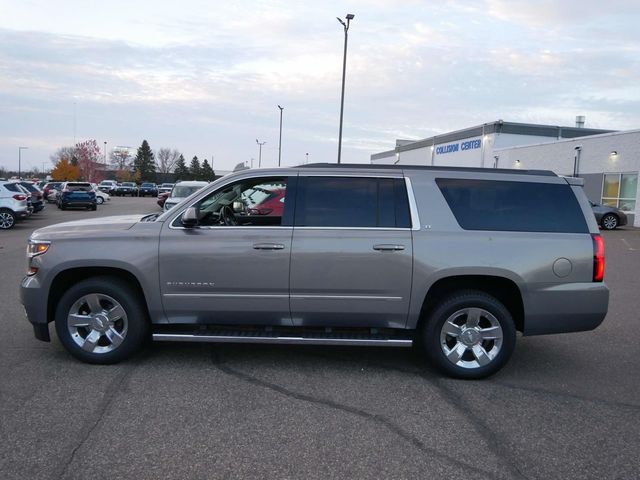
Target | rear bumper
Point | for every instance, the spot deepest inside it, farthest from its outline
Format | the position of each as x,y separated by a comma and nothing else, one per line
77,203
572,307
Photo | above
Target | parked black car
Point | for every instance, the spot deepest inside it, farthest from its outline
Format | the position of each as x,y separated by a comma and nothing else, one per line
127,188
608,217
148,189
37,197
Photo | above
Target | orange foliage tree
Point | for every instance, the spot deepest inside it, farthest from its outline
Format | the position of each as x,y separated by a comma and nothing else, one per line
65,172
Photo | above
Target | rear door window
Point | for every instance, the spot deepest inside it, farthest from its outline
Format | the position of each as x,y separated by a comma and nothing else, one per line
357,202
513,206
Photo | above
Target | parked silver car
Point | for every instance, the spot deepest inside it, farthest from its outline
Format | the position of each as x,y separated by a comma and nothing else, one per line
454,259
608,217
13,204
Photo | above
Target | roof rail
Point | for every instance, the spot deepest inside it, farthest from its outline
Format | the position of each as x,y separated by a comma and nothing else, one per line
545,173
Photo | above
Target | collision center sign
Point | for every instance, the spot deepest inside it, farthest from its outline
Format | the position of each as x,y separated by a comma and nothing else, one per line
455,147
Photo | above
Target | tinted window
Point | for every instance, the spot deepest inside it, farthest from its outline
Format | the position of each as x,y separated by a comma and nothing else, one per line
513,206
12,187
352,202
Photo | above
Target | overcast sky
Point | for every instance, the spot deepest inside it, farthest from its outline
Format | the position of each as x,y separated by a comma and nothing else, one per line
205,77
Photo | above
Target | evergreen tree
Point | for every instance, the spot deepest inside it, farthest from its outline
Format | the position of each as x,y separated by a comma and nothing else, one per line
181,171
207,171
144,164
194,169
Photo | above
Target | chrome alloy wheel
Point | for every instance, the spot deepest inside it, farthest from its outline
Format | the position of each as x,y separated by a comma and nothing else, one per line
471,338
6,220
97,323
610,222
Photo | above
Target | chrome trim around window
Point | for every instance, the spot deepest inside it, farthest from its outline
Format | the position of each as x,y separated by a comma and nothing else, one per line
413,206
395,229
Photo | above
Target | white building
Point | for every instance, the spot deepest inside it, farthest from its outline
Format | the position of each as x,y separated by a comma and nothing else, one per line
609,161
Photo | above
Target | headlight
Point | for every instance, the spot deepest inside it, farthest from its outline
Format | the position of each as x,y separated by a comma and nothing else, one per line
35,248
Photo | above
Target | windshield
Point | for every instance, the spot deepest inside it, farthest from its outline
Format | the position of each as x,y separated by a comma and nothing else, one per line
128,184
182,191
148,185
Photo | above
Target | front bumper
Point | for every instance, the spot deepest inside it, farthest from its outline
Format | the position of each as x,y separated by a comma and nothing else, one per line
570,307
34,300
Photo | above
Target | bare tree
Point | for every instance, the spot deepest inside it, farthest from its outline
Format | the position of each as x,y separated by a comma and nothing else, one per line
120,158
166,159
66,153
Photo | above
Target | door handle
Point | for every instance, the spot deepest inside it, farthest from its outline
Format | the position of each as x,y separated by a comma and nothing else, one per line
385,247
268,246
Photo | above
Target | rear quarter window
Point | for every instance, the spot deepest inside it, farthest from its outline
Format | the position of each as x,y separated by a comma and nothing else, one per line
513,206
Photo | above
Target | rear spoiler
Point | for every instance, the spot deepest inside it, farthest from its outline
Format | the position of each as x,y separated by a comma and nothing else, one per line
575,181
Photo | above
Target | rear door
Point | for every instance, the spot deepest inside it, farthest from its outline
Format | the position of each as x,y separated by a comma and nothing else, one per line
351,257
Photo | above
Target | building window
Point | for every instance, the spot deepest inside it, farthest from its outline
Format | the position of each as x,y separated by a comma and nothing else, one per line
619,190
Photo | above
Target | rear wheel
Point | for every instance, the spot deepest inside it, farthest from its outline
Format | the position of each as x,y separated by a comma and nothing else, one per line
469,335
7,219
609,221
101,320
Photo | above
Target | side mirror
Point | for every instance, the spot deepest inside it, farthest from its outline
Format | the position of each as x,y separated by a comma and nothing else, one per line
189,218
238,207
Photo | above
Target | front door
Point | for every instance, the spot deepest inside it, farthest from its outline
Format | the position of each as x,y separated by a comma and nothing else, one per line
233,268
351,261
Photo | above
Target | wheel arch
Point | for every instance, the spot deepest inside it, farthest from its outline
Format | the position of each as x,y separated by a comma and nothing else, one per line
502,288
67,277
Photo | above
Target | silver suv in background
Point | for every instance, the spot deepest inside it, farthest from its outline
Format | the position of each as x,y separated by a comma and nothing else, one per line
182,190
13,204
453,259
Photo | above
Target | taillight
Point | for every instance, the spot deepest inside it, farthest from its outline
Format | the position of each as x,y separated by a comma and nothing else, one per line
598,258
20,198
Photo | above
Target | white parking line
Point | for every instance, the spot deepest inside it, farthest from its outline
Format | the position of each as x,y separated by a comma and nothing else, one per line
624,240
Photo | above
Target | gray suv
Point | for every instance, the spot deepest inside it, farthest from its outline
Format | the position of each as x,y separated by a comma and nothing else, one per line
454,259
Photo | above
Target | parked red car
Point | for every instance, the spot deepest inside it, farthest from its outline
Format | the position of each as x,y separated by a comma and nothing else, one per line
163,198
272,206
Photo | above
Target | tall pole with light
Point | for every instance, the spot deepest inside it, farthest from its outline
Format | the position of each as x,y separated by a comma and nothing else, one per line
260,144
20,160
345,25
105,154
280,141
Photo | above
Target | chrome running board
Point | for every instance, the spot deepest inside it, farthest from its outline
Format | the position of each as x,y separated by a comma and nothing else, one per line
284,339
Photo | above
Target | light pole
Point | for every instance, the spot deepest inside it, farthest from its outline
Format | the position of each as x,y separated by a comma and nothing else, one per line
260,152
280,141
20,161
307,158
105,154
344,72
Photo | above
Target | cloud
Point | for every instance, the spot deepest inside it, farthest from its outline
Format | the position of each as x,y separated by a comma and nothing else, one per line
206,78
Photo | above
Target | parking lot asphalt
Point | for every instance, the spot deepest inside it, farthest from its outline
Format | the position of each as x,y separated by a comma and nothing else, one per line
566,406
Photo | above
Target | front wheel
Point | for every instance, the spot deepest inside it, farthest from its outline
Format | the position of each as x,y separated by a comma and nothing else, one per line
101,320
469,335
99,200
609,221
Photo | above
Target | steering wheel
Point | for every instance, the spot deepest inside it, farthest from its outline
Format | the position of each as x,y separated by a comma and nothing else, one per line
228,217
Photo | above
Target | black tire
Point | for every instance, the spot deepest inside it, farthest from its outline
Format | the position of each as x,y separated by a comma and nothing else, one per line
93,207
137,320
99,200
432,329
63,207
609,221
7,219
